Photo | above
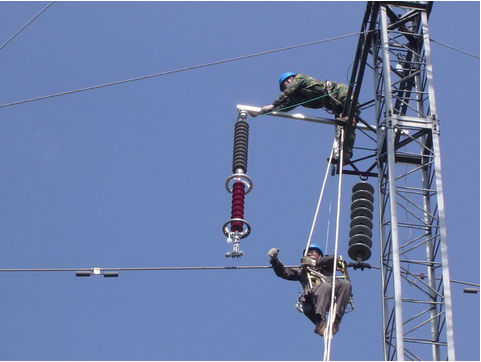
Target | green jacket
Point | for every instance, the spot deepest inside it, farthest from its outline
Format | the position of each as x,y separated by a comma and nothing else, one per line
312,93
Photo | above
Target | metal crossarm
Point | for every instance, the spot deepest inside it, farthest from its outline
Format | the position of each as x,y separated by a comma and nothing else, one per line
350,169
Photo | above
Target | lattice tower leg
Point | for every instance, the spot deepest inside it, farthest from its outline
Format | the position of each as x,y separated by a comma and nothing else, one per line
417,309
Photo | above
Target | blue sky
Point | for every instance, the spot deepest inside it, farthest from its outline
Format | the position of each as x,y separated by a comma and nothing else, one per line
133,176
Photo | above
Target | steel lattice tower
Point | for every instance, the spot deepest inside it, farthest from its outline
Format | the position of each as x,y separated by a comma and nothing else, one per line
416,294
405,157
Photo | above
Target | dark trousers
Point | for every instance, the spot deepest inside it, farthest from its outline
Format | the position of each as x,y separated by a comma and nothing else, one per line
320,299
349,139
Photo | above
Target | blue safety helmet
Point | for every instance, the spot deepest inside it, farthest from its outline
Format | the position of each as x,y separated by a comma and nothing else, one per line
314,246
283,77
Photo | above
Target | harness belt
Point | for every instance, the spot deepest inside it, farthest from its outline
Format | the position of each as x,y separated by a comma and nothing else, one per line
316,278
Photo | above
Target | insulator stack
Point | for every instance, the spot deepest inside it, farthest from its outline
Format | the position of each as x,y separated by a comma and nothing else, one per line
362,208
238,196
237,228
241,143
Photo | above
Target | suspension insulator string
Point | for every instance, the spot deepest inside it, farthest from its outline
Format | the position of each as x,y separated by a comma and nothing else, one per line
237,227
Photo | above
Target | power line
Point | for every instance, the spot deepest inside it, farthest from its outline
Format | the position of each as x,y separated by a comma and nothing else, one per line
27,24
179,70
138,269
99,270
188,68
453,48
114,272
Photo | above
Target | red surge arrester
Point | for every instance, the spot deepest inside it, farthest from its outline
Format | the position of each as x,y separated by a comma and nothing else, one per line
238,195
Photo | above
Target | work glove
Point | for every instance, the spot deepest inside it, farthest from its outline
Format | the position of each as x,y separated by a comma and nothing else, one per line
267,109
273,253
264,110
307,261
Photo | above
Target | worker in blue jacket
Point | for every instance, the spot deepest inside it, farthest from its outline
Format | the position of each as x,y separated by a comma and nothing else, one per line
315,275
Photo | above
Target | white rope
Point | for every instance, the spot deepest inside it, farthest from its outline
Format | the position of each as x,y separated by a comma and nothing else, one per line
328,333
333,309
328,228
320,199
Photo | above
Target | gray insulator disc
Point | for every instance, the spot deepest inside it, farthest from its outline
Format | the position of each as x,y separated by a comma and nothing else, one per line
363,186
361,220
359,250
360,229
361,239
362,194
361,211
362,203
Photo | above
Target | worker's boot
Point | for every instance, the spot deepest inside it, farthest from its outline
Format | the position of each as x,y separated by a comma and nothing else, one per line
335,326
342,121
350,139
320,327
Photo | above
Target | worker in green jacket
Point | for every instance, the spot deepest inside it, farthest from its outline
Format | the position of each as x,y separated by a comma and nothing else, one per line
309,92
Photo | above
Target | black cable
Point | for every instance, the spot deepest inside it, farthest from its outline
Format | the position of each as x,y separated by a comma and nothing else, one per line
23,27
176,71
453,48
100,270
134,269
